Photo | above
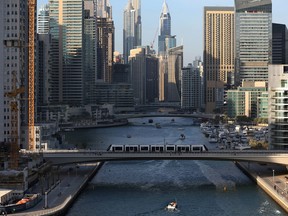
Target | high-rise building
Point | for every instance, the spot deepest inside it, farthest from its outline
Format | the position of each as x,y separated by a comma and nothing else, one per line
13,68
165,29
132,31
137,61
218,54
175,65
144,75
105,50
253,24
152,79
104,8
138,22
191,88
43,72
67,42
43,20
90,50
279,44
278,106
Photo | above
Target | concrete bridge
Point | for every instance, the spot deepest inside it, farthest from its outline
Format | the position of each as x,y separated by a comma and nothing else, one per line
59,157
151,115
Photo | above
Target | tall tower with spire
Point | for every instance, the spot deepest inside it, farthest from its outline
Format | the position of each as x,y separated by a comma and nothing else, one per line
132,32
165,29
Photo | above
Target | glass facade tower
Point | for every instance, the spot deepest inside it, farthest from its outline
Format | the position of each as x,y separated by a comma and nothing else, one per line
66,53
165,28
253,39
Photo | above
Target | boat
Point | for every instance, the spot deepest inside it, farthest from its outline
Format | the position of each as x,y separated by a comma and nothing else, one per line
128,136
182,137
158,125
172,206
242,147
213,138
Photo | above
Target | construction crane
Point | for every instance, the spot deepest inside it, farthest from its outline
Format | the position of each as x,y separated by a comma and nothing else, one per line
14,147
15,91
31,71
152,43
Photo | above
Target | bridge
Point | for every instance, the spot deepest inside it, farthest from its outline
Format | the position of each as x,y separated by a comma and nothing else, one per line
61,157
147,115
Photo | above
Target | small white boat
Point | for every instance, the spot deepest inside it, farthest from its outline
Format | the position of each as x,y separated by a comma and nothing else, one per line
172,206
213,138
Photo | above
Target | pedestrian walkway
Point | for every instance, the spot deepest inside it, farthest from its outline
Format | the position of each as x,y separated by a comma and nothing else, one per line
273,179
72,180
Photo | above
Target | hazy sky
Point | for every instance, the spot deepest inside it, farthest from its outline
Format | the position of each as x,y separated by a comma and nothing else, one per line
187,21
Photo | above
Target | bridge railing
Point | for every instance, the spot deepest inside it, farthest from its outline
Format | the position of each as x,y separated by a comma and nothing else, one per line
100,152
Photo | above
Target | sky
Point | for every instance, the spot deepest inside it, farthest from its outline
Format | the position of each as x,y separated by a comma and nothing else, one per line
187,21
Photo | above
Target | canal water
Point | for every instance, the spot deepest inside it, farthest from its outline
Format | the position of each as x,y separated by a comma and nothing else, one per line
144,188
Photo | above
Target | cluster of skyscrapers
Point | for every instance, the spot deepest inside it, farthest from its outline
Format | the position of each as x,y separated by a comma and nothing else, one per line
77,66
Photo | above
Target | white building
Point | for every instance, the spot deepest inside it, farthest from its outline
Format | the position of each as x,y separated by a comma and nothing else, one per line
278,106
5,196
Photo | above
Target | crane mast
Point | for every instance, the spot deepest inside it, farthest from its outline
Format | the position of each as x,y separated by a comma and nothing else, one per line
31,70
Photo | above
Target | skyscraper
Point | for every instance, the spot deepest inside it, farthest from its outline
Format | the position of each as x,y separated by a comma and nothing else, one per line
105,43
13,71
138,22
43,20
104,8
90,50
191,88
165,28
66,29
279,44
132,31
42,74
253,39
218,54
175,65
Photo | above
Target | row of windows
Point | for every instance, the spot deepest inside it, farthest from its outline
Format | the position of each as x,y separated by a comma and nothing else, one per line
12,20
12,35
12,65
12,57
12,5
12,12
12,28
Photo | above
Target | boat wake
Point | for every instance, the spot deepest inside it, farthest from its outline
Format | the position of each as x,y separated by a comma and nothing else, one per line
215,177
159,212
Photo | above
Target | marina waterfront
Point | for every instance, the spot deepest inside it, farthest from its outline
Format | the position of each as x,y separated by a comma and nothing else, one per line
146,187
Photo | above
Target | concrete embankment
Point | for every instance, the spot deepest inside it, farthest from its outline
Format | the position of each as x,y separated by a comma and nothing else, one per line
270,178
74,196
65,193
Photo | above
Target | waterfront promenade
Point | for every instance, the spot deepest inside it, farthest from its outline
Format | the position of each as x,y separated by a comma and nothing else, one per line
273,179
73,179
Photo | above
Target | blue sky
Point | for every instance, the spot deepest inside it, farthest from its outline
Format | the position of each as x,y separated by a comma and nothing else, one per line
187,21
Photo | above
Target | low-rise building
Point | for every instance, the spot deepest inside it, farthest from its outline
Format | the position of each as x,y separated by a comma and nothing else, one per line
5,196
243,101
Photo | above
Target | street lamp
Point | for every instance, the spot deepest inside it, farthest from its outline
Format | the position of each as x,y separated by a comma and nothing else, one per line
273,175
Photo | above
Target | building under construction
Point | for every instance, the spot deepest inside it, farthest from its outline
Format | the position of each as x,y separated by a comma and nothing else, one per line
17,69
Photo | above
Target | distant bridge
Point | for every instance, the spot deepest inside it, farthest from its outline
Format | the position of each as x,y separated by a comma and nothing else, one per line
143,115
59,157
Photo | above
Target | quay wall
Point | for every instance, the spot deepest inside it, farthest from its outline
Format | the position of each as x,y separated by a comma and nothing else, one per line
267,187
62,209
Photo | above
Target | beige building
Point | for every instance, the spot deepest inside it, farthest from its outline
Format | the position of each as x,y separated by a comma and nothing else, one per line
219,54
